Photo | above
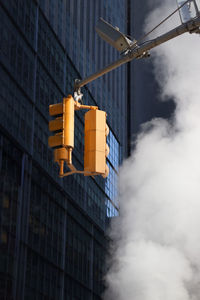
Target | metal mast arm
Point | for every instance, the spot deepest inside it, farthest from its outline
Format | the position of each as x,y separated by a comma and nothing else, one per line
142,51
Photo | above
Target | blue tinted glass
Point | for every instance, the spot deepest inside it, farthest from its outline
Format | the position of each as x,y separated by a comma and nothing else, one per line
113,156
111,184
111,210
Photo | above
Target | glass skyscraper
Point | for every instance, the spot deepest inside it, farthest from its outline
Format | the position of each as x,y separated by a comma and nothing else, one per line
52,230
144,91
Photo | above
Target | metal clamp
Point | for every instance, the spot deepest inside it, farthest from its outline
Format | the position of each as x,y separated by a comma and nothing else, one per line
77,91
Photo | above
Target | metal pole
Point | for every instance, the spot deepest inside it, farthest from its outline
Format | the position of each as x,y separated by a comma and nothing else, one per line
112,66
142,51
190,26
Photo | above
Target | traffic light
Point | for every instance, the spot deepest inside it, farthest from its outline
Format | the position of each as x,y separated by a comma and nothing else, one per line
63,127
96,150
63,124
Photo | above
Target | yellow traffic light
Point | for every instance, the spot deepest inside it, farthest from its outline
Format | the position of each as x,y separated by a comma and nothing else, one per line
63,128
96,130
63,125
96,148
56,125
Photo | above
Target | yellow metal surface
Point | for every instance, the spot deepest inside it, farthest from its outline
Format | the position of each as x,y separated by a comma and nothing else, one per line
107,130
107,150
60,154
55,109
63,125
106,172
56,124
55,141
79,106
68,107
96,148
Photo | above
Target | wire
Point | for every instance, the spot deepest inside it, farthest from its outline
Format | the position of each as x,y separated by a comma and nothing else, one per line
142,38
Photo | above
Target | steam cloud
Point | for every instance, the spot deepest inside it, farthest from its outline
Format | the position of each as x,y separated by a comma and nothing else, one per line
156,251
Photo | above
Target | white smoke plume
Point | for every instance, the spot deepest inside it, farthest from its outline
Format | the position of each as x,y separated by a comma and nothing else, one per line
156,251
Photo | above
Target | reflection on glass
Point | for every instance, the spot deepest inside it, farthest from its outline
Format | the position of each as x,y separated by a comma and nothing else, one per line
111,184
111,210
114,150
187,11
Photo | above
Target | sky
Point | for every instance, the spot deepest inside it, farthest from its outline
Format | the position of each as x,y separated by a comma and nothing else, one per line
155,252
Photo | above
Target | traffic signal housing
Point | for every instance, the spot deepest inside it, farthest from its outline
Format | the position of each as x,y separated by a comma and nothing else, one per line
96,150
63,128
63,124
96,130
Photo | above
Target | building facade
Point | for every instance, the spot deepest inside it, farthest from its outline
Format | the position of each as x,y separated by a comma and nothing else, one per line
52,230
144,91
